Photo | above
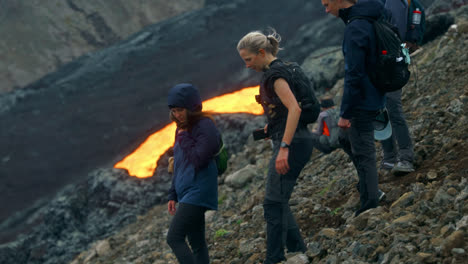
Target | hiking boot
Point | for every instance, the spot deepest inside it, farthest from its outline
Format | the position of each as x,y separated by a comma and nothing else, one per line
381,196
385,165
368,205
403,166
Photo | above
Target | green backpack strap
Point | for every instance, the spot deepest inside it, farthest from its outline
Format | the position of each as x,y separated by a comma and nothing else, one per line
221,158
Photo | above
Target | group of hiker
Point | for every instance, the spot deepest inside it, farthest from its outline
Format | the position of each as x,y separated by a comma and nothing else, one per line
289,108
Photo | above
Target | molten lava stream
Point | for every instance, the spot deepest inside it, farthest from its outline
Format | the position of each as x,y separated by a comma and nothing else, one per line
143,161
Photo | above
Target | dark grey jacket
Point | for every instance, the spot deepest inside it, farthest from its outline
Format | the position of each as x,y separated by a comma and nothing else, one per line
399,11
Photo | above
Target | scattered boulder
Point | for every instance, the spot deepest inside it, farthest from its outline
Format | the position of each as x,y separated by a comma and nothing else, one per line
324,67
241,177
455,240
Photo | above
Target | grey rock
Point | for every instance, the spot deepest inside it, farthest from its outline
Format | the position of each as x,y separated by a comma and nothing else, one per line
313,249
247,246
324,67
462,196
458,251
298,259
463,223
240,178
456,106
442,197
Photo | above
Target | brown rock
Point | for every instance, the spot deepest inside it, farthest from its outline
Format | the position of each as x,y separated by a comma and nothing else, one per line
423,257
436,241
254,259
406,219
328,233
350,230
432,175
103,248
455,240
452,191
404,200
378,250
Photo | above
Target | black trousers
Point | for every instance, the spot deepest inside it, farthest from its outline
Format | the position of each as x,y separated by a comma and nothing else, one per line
282,229
189,221
401,135
360,147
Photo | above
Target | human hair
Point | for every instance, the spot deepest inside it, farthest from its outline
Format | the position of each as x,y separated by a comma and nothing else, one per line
256,40
326,101
192,118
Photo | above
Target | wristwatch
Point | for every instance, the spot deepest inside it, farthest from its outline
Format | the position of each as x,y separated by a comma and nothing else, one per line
284,145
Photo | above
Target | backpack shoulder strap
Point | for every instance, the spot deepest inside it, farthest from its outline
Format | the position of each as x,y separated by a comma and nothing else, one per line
221,146
370,19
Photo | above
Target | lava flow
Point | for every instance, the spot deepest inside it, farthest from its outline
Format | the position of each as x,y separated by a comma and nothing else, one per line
143,161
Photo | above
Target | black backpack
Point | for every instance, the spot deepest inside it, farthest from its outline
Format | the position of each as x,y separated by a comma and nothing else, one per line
301,88
305,96
391,71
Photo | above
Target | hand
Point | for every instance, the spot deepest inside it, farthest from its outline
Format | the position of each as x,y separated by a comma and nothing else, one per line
265,130
344,123
282,165
171,207
412,47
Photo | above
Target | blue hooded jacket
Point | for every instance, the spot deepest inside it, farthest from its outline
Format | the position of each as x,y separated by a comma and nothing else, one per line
399,12
360,52
195,177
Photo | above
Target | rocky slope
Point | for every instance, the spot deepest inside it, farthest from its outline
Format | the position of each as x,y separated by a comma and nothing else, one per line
424,218
38,37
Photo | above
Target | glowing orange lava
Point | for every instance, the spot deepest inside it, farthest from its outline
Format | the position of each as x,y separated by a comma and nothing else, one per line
143,161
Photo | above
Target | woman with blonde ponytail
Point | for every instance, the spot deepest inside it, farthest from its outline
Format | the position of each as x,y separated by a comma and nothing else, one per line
292,147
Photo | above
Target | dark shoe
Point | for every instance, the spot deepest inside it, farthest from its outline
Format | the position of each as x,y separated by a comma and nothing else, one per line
382,195
385,165
369,205
403,166
294,241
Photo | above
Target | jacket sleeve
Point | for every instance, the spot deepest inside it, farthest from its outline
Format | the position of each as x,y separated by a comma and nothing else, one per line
172,195
356,43
201,144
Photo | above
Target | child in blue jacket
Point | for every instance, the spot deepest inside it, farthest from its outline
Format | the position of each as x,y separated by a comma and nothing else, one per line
195,177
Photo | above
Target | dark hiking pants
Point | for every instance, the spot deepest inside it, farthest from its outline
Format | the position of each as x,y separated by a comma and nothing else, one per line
400,136
282,229
189,221
361,149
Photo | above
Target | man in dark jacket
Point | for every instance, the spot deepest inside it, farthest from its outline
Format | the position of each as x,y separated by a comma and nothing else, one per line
361,100
399,159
